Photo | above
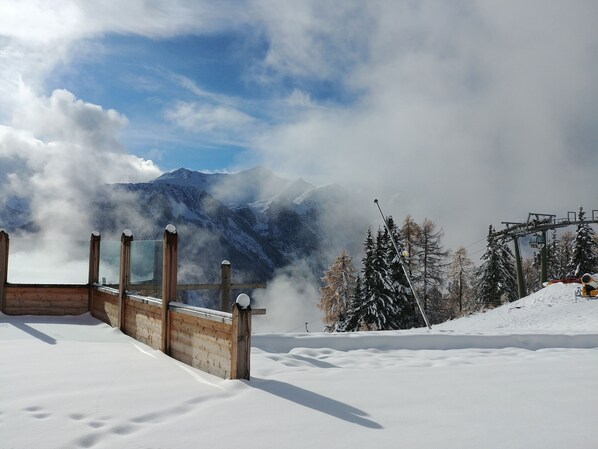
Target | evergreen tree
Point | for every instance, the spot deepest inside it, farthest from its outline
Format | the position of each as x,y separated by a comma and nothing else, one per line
562,256
496,276
381,299
585,249
460,284
377,311
552,256
351,321
508,273
407,314
339,282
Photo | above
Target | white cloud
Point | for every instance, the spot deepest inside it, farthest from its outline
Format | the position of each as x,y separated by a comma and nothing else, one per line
68,20
62,150
467,112
473,112
199,117
313,38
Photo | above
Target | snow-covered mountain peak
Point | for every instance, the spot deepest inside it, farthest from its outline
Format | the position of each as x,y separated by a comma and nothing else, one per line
256,185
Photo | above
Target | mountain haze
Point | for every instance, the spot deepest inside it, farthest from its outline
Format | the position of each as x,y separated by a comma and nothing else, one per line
255,219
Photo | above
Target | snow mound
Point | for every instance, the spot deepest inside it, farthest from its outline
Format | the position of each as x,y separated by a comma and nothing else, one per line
550,318
554,308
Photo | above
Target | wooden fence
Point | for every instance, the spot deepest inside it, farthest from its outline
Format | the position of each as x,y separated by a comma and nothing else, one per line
218,342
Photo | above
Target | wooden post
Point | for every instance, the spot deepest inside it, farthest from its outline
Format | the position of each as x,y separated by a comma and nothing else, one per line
94,265
125,274
225,286
169,280
4,240
241,344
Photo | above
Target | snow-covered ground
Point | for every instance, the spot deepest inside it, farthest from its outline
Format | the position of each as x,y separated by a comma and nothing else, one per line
521,376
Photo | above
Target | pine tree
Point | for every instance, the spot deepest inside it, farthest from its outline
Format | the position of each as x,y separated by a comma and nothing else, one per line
351,321
339,282
381,299
552,256
380,309
562,256
497,278
585,249
407,315
508,274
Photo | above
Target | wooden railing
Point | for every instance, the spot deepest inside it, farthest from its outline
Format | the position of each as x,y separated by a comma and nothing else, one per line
218,342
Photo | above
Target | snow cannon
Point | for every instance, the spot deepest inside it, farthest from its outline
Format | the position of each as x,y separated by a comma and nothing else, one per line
589,285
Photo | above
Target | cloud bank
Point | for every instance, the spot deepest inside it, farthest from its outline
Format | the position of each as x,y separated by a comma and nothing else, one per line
61,152
465,112
471,113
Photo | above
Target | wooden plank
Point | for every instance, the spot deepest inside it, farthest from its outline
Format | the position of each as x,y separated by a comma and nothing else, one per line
198,321
45,303
93,275
181,356
209,344
211,363
202,331
143,327
47,287
241,343
148,309
199,312
207,328
31,296
225,290
170,242
124,274
45,311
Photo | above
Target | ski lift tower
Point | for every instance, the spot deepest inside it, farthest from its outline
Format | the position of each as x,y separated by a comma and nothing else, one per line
538,225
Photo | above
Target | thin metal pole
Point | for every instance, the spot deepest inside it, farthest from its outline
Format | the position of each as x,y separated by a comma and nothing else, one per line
403,266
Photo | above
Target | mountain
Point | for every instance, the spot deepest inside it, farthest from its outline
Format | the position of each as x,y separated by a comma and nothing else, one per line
15,214
255,219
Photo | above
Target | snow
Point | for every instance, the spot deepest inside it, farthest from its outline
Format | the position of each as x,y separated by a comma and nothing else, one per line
520,376
243,300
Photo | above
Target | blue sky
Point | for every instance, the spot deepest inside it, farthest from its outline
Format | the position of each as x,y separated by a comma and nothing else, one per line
142,78
145,78
467,112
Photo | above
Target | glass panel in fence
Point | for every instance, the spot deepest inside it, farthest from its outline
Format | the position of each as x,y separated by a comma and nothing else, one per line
36,261
109,262
146,268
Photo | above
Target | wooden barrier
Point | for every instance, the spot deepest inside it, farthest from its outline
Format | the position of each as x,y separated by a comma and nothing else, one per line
31,299
202,339
143,320
214,341
105,305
